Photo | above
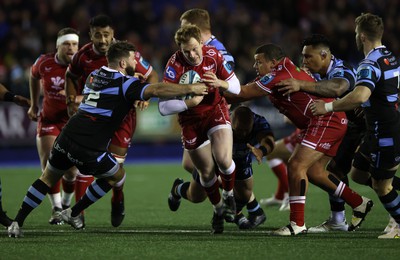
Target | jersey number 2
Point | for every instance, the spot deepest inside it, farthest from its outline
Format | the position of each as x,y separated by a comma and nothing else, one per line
92,98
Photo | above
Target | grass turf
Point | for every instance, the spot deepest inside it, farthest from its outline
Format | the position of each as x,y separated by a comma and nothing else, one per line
151,231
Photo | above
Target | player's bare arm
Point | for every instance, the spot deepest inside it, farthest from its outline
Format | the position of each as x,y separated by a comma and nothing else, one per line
267,143
167,90
72,99
351,101
247,92
34,89
11,97
325,88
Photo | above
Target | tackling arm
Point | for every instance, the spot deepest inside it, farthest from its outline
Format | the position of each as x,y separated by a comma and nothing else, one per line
247,92
9,96
351,101
267,144
326,88
170,90
71,86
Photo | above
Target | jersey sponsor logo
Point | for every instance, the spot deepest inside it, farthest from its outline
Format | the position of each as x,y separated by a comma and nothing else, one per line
338,74
144,63
127,140
74,160
386,61
266,79
58,83
88,61
170,73
191,141
47,69
227,66
58,148
207,68
211,52
325,146
218,119
364,72
47,129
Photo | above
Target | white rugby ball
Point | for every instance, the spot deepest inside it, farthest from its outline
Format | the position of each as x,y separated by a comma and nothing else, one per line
189,77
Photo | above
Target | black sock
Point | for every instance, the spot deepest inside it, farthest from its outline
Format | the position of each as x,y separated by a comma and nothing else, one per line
253,208
91,196
239,205
35,195
389,202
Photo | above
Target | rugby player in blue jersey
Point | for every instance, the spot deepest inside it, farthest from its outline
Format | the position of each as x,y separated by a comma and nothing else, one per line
109,93
376,90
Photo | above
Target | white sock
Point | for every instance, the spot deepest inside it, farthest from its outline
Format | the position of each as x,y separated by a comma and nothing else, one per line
55,200
66,198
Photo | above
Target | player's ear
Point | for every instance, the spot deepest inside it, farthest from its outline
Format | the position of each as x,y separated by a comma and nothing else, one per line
122,63
324,53
362,37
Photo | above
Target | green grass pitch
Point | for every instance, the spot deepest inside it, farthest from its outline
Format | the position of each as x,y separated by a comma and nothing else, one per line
151,231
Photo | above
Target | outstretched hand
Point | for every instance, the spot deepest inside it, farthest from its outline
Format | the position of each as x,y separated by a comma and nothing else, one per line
288,86
194,101
141,105
199,89
256,152
212,80
318,108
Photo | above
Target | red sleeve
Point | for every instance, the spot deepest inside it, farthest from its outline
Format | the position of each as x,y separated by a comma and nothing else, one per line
173,70
35,69
75,66
142,66
225,71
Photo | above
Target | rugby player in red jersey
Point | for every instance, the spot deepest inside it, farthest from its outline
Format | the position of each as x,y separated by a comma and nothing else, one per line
205,122
47,76
321,139
90,57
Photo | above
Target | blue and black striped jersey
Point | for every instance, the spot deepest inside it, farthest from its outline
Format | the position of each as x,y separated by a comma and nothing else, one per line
221,48
108,97
340,69
379,72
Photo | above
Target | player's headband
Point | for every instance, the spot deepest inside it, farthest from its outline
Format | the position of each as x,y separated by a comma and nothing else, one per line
67,37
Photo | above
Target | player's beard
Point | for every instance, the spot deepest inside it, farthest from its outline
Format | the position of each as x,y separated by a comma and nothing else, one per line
130,71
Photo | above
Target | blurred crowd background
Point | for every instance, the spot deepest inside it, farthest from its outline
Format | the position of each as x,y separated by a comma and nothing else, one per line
29,28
